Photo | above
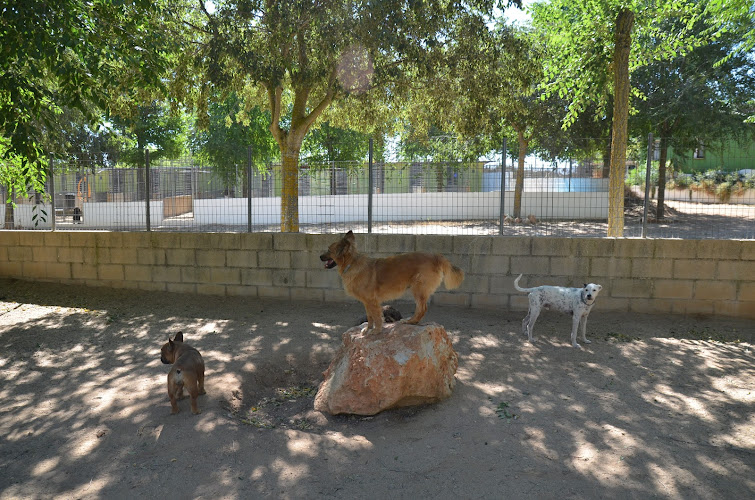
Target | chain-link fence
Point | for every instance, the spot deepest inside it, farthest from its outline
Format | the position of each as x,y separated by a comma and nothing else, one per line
551,198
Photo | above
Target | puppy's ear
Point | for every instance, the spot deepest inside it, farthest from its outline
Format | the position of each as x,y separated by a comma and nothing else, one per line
179,337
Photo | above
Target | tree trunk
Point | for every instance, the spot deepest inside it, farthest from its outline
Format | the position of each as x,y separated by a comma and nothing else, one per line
662,178
623,39
520,175
9,216
290,191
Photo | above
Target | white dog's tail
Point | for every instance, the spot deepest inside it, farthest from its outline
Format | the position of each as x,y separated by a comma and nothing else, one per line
516,285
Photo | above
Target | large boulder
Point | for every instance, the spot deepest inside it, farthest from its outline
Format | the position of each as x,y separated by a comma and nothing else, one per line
404,365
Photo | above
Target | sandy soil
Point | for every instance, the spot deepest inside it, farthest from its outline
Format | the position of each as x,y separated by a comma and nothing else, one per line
654,407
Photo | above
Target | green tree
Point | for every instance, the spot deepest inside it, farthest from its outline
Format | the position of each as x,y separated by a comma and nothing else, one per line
74,54
230,132
303,56
700,98
593,47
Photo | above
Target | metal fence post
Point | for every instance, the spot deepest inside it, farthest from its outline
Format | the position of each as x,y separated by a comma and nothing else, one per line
370,185
147,183
249,189
647,187
51,171
501,214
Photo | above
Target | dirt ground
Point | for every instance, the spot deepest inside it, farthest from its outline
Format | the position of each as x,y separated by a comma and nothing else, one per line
656,406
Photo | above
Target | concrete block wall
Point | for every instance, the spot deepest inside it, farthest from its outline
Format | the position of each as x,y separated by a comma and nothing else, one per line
705,277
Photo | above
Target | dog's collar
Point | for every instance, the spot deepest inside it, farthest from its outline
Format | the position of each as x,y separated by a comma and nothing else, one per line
347,268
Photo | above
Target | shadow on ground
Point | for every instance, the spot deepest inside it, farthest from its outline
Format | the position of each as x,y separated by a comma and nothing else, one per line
655,406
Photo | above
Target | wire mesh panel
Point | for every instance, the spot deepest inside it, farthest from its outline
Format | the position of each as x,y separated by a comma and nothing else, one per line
707,193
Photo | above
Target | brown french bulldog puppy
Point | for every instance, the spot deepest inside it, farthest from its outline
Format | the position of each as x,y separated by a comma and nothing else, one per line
187,371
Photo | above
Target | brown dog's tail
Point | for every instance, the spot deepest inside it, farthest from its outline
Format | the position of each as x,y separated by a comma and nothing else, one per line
452,275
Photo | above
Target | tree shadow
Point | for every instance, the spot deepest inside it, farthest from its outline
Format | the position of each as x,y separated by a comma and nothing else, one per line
651,407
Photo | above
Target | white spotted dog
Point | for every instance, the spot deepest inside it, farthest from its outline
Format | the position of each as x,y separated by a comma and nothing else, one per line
575,301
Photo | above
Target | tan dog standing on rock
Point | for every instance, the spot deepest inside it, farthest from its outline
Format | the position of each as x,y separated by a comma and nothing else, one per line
187,371
374,280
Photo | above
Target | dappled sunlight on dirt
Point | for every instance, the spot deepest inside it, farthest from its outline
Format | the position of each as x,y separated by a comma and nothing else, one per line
655,406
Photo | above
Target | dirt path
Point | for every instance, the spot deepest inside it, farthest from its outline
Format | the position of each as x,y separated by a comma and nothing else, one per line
655,406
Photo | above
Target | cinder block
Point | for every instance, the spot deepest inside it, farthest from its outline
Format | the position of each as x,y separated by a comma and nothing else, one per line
488,264
451,299
593,247
747,249
397,243
109,239
166,274
168,240
56,239
673,289
472,245
71,254
289,241
274,259
610,267
225,276
335,295
123,256
715,290
110,272
434,243
693,307
694,269
506,245
652,268
58,271
606,303
262,277
529,266
306,260
553,247
82,239
488,301
632,248
632,288
193,274
20,254
42,254
747,292
734,308
210,258
676,249
179,256
10,239
137,273
241,258
571,266
151,256
256,241
290,278
83,271
718,249
136,240
736,270
474,283
11,269
151,286
326,278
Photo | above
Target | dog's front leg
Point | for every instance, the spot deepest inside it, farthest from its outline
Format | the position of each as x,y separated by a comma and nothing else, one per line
584,330
576,320
374,319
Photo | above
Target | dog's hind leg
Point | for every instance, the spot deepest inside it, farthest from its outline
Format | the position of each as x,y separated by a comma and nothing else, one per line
200,381
419,310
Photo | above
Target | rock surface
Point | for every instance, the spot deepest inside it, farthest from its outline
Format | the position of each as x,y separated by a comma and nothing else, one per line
404,365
